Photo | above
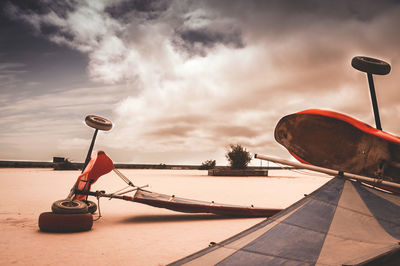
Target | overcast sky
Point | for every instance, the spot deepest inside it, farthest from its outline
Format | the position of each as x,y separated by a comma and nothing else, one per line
181,80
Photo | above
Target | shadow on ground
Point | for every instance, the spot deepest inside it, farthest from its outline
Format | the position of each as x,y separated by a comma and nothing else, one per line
176,218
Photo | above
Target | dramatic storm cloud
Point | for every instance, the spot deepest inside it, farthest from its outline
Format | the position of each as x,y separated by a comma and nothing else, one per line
181,80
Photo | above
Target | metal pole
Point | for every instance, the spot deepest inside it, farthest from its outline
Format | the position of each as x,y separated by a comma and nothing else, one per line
328,171
90,150
374,101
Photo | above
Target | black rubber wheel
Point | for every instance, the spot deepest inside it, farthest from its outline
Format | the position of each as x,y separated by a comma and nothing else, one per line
92,206
64,223
69,207
98,122
370,65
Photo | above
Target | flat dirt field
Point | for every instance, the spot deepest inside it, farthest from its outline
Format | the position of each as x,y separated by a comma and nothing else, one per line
131,233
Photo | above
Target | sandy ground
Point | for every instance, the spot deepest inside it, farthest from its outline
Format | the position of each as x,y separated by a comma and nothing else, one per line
131,233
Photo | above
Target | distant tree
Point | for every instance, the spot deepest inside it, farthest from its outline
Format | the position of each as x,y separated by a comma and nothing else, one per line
238,157
209,164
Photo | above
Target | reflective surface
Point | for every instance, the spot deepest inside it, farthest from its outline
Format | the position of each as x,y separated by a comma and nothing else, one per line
131,233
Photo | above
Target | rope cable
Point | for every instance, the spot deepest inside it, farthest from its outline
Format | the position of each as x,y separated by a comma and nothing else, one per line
98,207
299,171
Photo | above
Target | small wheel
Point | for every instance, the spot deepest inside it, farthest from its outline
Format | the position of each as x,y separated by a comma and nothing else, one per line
98,122
62,223
370,65
92,206
69,207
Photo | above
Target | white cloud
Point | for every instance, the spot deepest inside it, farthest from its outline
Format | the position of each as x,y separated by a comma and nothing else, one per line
228,80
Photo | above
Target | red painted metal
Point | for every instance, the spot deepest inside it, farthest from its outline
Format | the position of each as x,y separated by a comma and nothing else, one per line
100,164
357,123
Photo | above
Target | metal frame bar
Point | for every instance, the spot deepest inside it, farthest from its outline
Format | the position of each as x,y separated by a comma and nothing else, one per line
103,194
374,101
87,160
376,181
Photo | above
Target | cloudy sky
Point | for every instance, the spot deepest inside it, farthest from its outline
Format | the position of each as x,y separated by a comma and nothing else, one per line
181,80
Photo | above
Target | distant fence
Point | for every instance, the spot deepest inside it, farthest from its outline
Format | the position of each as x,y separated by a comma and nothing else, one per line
33,164
25,164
